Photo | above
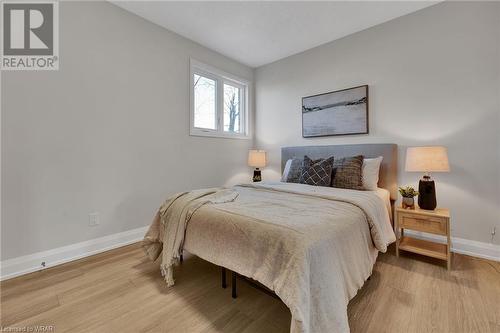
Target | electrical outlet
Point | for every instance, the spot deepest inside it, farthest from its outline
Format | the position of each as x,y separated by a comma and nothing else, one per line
43,263
493,232
94,219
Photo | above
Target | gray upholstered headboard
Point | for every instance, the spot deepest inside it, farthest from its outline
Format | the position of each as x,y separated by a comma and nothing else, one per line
388,169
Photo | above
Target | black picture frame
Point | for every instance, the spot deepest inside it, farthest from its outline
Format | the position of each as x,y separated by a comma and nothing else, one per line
345,101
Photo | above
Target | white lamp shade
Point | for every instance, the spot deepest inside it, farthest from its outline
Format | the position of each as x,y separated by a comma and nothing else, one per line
427,159
257,158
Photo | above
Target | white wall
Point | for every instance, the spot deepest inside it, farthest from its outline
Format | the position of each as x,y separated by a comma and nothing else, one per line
108,132
434,79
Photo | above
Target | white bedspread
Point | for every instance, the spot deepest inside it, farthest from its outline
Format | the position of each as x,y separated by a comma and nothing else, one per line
314,246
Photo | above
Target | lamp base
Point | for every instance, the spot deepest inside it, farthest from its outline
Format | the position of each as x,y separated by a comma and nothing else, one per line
256,175
427,194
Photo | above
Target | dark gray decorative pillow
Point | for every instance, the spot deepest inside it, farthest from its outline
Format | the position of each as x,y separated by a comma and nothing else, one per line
293,170
348,173
318,172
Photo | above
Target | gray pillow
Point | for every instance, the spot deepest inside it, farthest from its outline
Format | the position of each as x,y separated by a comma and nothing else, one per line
292,171
348,173
318,172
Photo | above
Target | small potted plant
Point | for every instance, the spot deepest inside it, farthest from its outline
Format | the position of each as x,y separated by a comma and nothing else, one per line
408,193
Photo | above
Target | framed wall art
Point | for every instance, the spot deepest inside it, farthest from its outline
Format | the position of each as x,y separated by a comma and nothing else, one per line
341,112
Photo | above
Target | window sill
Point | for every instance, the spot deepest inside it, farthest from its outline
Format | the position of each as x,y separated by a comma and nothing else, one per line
219,135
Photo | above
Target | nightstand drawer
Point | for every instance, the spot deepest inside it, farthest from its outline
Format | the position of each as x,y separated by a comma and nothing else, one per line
429,224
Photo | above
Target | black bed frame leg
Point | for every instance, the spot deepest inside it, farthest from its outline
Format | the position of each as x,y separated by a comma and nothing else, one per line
223,277
233,284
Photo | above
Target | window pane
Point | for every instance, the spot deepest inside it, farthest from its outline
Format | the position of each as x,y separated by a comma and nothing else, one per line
232,109
204,102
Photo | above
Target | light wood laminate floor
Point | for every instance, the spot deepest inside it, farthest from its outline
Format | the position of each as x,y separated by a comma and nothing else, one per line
121,291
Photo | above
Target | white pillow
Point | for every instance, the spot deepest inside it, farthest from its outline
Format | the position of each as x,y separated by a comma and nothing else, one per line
286,170
371,168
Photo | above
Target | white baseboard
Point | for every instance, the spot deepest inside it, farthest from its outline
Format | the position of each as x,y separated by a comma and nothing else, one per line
30,263
463,246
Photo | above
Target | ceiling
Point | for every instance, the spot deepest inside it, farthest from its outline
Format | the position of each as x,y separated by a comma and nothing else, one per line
256,33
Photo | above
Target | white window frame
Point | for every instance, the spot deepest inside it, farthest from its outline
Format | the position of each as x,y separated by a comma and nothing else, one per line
220,77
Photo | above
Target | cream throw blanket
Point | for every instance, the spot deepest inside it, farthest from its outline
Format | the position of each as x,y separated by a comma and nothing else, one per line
314,246
166,233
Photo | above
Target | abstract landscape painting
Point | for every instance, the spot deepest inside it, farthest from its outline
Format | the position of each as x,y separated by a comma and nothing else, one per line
336,113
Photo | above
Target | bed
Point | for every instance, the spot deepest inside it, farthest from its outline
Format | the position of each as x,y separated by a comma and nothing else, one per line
314,247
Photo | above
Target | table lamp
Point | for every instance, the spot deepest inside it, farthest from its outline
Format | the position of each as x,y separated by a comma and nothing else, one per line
427,160
257,159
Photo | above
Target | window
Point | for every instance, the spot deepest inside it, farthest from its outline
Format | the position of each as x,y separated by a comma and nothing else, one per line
219,103
205,113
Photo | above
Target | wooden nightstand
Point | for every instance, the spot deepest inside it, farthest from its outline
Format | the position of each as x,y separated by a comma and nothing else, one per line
430,221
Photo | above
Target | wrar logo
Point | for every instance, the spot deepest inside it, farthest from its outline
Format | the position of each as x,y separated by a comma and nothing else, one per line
30,39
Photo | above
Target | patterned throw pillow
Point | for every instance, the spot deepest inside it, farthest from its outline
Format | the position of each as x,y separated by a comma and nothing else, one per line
293,170
348,173
318,172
